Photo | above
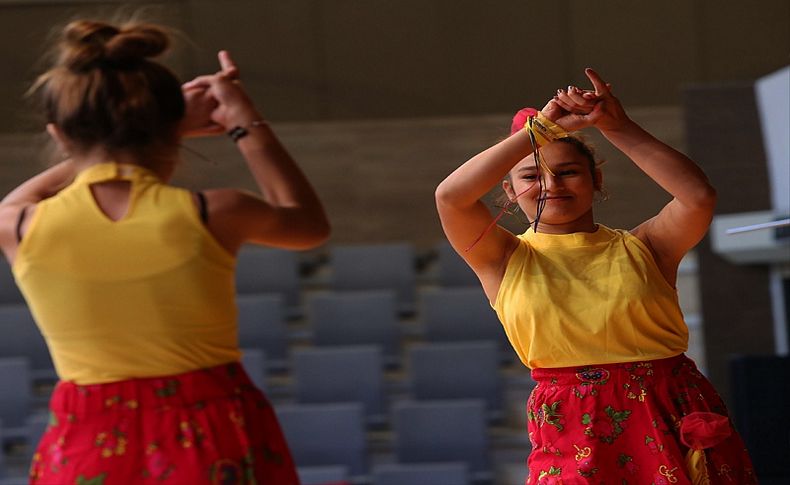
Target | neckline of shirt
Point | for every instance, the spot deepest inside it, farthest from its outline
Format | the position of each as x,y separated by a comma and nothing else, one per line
602,234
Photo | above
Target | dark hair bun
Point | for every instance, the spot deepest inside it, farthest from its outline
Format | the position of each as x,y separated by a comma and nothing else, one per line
88,44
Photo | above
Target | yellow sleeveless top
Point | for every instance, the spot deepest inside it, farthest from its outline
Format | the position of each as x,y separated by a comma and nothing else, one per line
588,298
151,294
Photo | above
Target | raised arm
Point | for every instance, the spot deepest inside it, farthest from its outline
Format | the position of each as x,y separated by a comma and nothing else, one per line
287,212
466,220
682,223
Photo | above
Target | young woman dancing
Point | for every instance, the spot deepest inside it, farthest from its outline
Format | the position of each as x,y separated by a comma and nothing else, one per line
593,311
131,280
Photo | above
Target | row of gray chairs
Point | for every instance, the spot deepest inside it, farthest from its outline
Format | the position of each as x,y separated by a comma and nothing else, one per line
436,431
447,370
370,317
352,268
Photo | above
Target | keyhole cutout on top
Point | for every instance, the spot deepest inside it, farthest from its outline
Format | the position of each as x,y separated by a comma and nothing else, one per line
112,198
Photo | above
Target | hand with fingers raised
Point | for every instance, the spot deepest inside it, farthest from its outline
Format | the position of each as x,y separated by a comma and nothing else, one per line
608,114
574,108
217,102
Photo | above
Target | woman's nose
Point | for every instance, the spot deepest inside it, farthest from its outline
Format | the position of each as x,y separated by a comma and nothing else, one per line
550,181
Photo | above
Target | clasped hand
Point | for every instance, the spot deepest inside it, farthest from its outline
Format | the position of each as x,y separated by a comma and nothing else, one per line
574,108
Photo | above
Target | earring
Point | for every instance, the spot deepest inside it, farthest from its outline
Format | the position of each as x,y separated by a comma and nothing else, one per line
601,195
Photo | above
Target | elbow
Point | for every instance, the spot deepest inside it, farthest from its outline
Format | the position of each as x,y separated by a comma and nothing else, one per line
702,199
322,233
317,234
706,197
446,196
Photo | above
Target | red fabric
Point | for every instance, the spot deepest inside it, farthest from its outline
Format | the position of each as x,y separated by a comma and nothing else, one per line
520,119
210,426
623,424
700,430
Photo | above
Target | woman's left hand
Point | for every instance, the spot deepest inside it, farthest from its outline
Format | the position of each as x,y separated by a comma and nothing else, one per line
201,104
575,109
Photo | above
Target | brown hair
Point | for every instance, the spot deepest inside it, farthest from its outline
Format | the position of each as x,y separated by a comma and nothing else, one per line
103,90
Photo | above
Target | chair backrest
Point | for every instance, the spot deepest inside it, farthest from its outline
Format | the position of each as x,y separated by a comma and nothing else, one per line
439,431
322,475
452,270
326,435
340,374
355,318
262,326
453,314
268,270
452,473
456,370
21,337
254,363
17,391
375,266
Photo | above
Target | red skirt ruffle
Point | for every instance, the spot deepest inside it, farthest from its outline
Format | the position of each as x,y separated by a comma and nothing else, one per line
657,422
210,426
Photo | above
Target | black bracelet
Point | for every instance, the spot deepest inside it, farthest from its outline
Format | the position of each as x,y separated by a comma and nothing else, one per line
238,132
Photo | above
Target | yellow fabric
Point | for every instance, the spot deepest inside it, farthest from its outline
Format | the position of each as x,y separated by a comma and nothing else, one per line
697,466
588,298
150,294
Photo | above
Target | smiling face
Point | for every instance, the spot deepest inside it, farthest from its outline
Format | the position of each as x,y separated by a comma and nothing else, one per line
568,193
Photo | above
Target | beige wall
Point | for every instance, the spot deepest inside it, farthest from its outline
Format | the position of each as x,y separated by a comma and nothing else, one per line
358,59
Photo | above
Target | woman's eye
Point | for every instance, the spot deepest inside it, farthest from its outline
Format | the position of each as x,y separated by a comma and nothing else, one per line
568,172
529,177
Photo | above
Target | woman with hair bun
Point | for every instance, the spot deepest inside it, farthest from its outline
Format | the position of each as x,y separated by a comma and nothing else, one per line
131,280
593,311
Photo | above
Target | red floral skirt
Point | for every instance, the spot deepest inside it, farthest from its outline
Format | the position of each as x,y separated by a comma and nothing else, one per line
658,422
210,426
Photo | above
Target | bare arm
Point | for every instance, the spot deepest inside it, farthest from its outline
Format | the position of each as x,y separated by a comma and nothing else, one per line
682,223
465,217
287,212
